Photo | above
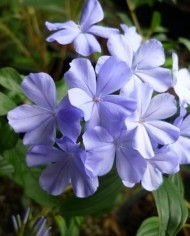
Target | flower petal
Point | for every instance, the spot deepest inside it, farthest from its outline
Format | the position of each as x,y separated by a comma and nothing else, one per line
133,38
150,49
142,143
83,185
65,36
91,14
57,26
185,127
25,118
152,178
55,178
113,76
80,99
118,46
68,119
130,165
166,161
102,31
100,150
127,105
100,62
43,134
86,44
43,154
182,149
40,88
162,106
81,75
162,132
160,79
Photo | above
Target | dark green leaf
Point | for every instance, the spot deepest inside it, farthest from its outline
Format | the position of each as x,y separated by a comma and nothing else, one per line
102,201
6,104
10,79
9,138
149,227
171,206
185,42
5,167
156,21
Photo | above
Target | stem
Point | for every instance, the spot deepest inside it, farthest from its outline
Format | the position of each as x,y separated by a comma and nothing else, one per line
186,225
131,7
188,205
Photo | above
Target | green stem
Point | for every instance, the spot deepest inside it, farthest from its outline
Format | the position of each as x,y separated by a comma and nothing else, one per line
131,7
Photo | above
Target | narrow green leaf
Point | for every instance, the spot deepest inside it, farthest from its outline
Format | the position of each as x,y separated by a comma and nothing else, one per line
6,104
156,21
9,138
149,227
171,206
61,88
185,42
10,79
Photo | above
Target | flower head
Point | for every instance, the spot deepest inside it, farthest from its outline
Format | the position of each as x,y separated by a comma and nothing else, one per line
66,166
82,35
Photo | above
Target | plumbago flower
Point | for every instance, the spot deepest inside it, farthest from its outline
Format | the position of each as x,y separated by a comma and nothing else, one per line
182,146
90,95
82,35
146,123
39,121
181,82
144,60
104,145
66,166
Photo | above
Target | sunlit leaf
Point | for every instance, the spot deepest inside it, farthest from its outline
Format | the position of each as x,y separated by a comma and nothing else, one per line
149,227
171,206
6,104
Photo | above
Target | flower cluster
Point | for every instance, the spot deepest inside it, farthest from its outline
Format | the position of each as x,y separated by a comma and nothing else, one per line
118,113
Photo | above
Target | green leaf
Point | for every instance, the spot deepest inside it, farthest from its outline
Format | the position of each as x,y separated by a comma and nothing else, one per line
156,21
71,228
185,42
149,227
6,104
102,201
5,167
10,79
9,138
171,206
61,88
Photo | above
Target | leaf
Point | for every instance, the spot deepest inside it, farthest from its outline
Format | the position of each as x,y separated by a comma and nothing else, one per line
9,138
171,206
156,21
6,104
61,88
185,42
5,167
10,79
149,227
102,201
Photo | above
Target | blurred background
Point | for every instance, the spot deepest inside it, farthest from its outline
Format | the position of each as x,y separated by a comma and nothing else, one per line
23,47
